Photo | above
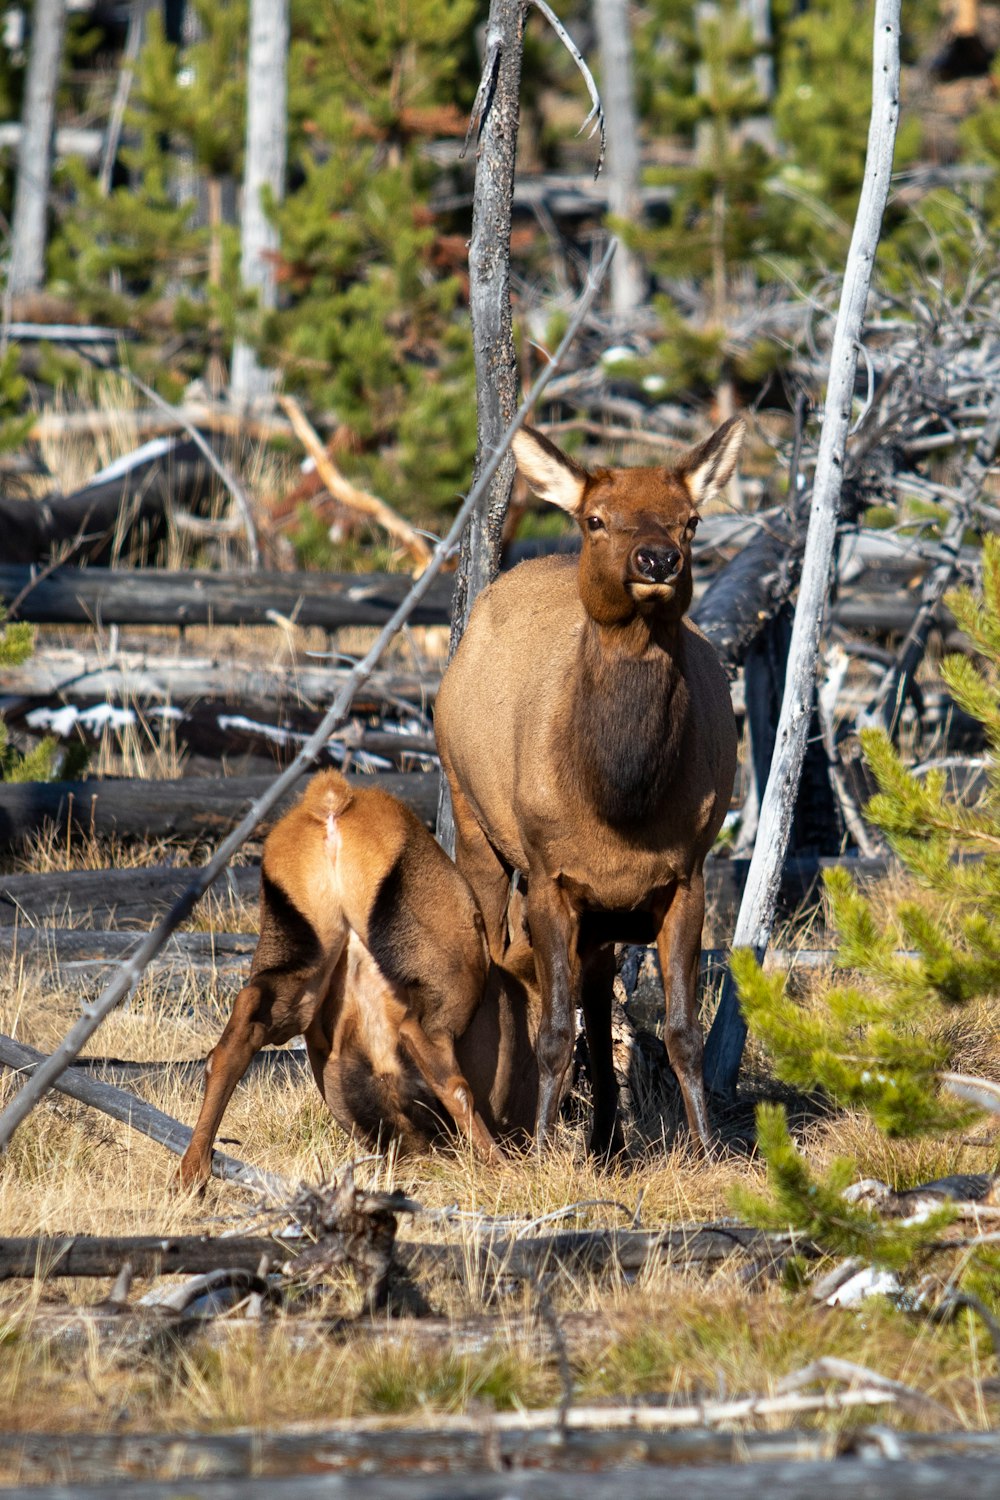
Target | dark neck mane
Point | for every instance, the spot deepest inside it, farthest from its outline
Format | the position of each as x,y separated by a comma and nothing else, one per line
629,715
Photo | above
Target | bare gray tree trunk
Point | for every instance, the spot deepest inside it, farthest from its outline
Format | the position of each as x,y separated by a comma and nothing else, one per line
614,35
34,167
492,329
264,170
724,1049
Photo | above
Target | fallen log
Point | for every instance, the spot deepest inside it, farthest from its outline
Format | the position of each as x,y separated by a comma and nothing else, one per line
129,1110
875,1478
131,896
55,426
59,946
83,1457
49,1256
77,676
124,897
214,728
191,808
514,1259
79,596
123,510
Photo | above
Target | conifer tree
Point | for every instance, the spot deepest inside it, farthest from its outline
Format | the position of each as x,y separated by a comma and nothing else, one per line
16,645
721,217
373,330
879,1043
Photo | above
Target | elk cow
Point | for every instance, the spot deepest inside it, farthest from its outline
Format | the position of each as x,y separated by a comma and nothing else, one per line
372,947
586,730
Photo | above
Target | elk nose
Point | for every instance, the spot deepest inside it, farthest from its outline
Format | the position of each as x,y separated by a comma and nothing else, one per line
657,564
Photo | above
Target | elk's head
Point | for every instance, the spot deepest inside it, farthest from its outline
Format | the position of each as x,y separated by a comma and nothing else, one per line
637,524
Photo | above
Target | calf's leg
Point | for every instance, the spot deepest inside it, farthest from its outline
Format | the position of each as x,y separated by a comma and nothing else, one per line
270,1010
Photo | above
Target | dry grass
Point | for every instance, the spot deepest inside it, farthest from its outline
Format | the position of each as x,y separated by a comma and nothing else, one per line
670,1331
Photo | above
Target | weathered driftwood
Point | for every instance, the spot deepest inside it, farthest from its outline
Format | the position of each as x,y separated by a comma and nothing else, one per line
137,1115
84,1457
111,517
724,1049
155,597
193,807
130,972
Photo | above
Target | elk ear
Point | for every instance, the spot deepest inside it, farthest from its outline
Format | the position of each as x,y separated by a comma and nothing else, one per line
552,475
707,468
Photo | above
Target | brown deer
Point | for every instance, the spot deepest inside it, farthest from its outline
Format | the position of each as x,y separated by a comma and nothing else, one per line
586,730
372,947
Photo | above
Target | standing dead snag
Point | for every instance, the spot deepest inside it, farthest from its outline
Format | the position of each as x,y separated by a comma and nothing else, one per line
753,928
587,734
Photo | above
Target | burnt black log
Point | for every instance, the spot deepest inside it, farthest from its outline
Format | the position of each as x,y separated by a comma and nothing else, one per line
75,596
116,516
192,808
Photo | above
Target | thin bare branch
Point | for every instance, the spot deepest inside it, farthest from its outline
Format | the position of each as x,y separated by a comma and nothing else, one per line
597,108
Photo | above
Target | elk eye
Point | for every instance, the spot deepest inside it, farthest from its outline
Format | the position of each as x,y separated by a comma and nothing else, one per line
594,523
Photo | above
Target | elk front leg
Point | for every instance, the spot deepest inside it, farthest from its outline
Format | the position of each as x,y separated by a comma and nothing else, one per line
606,1140
678,943
435,1057
555,932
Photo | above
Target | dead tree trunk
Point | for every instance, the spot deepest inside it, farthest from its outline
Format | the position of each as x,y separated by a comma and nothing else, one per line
724,1050
614,37
266,148
34,167
492,330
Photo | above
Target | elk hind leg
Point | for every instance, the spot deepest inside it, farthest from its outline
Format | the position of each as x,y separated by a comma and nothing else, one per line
678,944
606,1139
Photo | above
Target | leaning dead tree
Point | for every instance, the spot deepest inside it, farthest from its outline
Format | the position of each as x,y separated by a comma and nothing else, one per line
724,1049
34,168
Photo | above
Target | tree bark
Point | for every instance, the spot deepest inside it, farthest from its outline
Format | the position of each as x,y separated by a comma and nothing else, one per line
264,171
492,327
34,169
724,1049
614,35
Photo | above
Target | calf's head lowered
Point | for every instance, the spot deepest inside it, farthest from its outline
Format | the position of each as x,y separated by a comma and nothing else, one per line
587,733
371,947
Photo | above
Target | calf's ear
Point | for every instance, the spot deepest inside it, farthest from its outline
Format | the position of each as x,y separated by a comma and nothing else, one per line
552,475
709,467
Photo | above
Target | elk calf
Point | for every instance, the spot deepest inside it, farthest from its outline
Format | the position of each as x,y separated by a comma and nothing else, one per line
586,730
354,861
